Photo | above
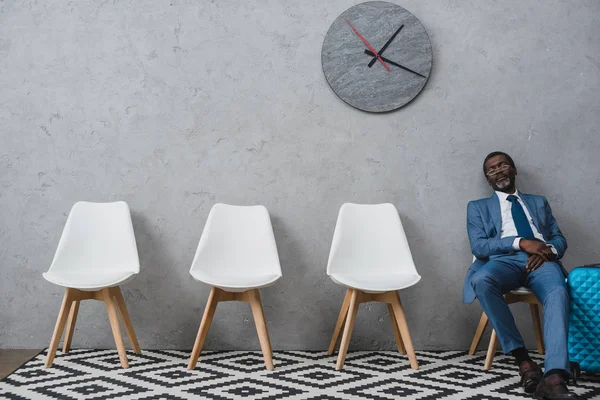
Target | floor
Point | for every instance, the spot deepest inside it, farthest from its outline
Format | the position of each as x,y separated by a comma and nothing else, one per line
162,374
13,359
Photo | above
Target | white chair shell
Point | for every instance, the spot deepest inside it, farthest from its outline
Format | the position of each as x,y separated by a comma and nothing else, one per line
370,256
237,255
96,254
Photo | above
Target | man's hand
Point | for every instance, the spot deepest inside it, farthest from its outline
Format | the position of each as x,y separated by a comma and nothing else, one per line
534,262
538,248
539,253
550,253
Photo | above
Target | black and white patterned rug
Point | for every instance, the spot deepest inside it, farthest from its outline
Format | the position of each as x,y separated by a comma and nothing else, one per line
157,375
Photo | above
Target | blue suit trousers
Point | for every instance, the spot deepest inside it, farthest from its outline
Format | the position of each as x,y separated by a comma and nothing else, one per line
504,273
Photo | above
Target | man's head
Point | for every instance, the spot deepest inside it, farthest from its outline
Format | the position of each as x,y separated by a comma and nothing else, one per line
500,171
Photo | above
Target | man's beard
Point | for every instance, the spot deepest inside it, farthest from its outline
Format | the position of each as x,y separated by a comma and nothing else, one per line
504,184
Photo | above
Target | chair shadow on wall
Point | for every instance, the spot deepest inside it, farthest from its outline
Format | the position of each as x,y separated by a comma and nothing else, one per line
149,288
424,303
282,297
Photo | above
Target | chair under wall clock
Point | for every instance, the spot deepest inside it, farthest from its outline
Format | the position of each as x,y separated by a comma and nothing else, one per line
237,255
371,258
96,254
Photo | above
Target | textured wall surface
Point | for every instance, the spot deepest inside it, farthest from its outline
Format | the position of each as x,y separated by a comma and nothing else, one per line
173,106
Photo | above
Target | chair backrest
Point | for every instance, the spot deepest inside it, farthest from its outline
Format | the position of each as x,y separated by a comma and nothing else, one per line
370,239
97,237
236,239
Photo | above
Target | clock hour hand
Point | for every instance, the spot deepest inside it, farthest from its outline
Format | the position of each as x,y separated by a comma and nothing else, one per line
370,53
386,45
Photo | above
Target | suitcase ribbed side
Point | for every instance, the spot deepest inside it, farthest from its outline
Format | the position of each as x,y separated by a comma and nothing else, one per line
584,318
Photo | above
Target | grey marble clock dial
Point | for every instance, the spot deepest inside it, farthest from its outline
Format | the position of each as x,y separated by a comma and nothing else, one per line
402,61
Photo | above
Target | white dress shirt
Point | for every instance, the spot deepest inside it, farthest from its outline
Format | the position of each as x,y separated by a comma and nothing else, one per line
508,224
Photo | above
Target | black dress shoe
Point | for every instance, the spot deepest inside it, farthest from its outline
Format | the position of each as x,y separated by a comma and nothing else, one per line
554,387
531,374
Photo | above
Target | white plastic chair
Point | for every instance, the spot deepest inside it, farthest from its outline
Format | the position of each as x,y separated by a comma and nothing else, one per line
96,253
519,295
237,255
370,256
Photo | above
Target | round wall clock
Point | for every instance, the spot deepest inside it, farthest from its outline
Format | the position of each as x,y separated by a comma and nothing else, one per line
376,56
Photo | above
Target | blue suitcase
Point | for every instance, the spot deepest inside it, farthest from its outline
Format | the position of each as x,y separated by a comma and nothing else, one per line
584,317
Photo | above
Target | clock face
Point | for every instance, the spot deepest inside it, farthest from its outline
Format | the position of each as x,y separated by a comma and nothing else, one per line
376,56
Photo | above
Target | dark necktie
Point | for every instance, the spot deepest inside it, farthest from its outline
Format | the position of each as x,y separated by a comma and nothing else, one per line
520,219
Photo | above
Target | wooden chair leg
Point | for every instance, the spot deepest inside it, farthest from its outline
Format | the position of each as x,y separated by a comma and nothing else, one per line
404,332
349,325
116,291
209,312
340,323
261,327
491,351
399,343
111,308
71,325
537,328
478,333
60,325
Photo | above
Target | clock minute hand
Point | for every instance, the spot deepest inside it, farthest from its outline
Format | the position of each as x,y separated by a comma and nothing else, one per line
368,45
370,53
386,45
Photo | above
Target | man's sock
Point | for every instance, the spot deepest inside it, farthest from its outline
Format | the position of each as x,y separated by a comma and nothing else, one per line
557,371
521,354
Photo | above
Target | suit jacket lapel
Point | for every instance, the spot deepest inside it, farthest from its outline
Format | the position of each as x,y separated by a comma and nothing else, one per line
532,208
494,207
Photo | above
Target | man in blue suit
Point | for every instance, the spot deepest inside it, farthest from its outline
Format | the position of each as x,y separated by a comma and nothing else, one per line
517,242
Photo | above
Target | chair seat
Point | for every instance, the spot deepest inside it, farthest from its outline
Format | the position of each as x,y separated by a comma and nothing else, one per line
521,290
376,283
88,280
239,282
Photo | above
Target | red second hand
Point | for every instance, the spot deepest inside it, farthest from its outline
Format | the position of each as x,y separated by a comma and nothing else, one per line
368,45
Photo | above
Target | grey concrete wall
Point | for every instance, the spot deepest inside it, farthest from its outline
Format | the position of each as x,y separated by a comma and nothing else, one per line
173,106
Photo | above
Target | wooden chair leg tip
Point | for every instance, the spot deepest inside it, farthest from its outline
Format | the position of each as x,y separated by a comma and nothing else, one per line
192,365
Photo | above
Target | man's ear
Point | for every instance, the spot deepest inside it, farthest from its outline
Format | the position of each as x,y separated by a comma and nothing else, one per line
516,173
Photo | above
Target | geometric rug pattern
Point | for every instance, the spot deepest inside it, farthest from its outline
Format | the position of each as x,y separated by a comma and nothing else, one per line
225,375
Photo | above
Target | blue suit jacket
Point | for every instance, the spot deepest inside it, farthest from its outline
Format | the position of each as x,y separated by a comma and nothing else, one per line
484,225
